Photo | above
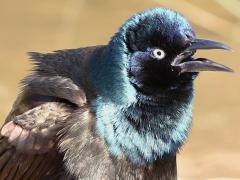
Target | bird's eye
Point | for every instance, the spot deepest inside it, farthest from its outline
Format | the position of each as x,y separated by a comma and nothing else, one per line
158,54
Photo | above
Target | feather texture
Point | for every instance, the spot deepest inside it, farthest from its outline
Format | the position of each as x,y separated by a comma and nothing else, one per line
80,115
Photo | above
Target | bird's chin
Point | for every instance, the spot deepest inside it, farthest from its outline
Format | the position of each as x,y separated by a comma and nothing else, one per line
183,82
189,76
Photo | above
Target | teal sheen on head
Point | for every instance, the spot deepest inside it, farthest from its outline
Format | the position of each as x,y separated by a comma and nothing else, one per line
111,73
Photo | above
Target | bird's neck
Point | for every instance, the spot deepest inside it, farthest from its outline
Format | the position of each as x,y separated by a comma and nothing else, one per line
147,130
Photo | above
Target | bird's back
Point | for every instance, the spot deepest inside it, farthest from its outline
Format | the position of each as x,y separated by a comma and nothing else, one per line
57,88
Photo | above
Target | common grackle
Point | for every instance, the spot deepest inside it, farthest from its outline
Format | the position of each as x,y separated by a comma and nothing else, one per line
116,111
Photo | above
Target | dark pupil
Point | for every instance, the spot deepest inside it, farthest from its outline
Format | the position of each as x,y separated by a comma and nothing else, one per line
159,53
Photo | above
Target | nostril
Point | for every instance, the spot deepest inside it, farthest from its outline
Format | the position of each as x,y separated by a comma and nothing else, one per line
188,36
188,43
184,40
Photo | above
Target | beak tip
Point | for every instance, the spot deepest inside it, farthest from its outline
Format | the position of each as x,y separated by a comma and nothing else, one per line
228,48
231,71
228,70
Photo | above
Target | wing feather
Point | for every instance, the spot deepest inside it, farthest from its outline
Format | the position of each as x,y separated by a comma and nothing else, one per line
50,95
27,143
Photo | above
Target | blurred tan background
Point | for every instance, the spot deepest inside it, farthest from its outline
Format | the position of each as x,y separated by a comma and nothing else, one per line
213,149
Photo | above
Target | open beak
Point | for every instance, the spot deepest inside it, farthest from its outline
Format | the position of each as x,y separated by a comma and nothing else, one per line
200,64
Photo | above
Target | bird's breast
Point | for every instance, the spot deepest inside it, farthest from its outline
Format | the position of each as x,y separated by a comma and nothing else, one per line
143,132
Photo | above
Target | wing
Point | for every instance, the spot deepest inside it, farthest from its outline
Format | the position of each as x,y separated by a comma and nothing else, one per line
50,95
34,130
27,142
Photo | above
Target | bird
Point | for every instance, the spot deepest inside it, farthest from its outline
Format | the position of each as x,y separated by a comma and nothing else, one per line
117,111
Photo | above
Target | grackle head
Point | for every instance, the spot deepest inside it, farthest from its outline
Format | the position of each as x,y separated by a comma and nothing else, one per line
160,44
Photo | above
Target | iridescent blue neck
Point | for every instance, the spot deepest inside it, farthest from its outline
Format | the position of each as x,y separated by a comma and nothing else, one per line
146,130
